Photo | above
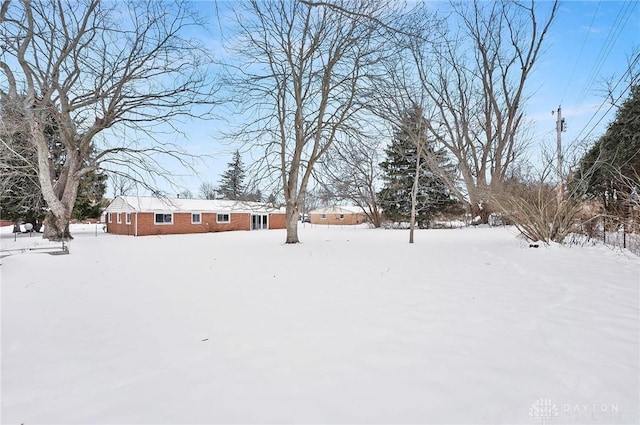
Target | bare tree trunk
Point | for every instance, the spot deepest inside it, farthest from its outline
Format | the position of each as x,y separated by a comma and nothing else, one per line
480,212
416,181
412,219
292,224
56,228
59,192
373,215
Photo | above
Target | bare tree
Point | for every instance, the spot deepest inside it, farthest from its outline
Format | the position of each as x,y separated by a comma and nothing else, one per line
185,194
207,191
528,197
312,201
303,72
531,203
351,171
475,81
121,185
92,66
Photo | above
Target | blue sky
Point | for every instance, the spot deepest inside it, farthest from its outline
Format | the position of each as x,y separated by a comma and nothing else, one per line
589,42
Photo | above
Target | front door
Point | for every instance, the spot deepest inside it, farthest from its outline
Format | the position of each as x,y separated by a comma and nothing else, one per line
259,221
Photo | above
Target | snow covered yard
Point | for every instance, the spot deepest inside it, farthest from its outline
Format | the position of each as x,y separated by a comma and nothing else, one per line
353,325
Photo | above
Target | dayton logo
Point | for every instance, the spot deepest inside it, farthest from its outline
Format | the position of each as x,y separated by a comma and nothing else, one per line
543,410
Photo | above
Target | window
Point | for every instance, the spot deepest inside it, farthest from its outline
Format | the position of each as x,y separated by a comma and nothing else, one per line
341,216
119,216
162,218
223,218
110,218
323,216
128,218
196,218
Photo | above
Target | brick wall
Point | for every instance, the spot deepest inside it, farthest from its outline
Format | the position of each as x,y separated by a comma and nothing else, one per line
239,221
182,224
121,228
277,221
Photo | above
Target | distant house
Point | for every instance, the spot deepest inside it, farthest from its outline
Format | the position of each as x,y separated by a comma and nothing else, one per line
345,215
142,216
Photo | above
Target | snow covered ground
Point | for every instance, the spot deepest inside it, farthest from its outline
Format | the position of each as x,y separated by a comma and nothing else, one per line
353,325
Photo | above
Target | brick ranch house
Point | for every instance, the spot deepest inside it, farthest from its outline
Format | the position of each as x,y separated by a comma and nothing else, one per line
340,215
143,216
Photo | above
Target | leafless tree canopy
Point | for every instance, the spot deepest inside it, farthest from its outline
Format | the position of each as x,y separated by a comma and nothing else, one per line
93,66
531,204
301,73
351,172
207,190
475,79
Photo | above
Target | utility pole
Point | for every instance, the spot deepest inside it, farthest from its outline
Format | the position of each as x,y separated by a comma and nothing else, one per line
560,127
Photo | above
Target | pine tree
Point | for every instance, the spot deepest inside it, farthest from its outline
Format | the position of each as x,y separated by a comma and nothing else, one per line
399,170
21,194
91,192
232,181
610,170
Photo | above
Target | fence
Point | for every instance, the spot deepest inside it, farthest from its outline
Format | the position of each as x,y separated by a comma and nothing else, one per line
616,232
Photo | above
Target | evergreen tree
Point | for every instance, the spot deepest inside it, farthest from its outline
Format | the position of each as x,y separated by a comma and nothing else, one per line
399,170
253,196
91,192
610,170
232,181
21,199
21,194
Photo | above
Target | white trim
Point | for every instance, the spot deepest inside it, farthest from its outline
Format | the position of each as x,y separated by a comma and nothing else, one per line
199,218
127,218
323,216
163,223
262,216
119,218
223,214
109,218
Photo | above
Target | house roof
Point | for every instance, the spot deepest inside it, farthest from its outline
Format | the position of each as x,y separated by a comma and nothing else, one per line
338,209
154,204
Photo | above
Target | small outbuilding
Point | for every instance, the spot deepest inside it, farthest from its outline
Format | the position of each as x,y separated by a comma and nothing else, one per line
143,216
341,215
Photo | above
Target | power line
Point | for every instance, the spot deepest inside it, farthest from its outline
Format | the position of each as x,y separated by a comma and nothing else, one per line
584,42
615,101
621,20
